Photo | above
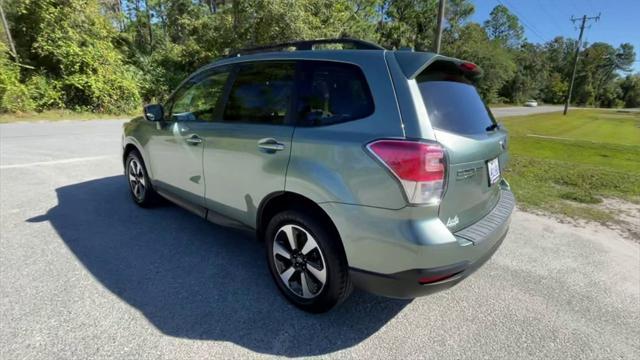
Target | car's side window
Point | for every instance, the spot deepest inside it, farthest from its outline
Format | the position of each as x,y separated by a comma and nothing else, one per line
198,100
332,92
261,93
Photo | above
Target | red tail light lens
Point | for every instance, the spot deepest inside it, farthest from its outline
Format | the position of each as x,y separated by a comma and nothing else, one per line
420,167
468,66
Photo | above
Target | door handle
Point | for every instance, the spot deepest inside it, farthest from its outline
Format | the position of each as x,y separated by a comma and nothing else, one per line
194,139
270,144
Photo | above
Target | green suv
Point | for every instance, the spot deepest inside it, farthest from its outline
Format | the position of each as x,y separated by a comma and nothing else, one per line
362,166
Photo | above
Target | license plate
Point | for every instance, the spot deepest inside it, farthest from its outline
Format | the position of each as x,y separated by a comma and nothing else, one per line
494,171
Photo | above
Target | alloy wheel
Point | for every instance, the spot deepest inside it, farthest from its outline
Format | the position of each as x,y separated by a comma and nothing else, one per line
299,261
136,179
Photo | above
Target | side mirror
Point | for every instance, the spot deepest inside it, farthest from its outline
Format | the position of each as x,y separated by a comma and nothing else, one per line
153,112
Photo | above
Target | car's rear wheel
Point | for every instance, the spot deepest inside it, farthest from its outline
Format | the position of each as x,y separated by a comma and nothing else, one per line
307,261
138,179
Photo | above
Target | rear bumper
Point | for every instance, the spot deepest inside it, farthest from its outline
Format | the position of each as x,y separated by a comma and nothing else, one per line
390,250
405,285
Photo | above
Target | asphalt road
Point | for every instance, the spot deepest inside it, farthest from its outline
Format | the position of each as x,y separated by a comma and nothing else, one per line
84,273
521,110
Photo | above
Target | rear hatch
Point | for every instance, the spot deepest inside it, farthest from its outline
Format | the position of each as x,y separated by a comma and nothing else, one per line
475,144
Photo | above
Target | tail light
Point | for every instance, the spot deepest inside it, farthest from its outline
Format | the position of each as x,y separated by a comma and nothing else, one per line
467,66
420,167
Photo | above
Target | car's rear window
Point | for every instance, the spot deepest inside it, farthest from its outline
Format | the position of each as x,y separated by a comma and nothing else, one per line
454,106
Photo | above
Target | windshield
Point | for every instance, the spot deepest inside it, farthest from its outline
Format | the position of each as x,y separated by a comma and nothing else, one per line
455,107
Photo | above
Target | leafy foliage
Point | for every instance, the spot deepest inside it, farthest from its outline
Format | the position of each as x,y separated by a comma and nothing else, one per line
14,96
111,55
503,26
71,42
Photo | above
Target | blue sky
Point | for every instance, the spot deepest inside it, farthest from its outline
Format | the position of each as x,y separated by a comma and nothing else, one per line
545,19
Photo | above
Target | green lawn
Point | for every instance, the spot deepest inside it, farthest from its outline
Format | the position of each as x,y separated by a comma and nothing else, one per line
565,164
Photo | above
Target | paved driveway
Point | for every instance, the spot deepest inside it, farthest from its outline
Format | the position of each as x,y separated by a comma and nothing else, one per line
84,273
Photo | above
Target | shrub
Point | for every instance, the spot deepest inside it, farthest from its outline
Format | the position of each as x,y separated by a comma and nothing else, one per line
14,96
44,93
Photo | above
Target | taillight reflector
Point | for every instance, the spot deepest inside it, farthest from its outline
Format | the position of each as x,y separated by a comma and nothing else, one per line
435,278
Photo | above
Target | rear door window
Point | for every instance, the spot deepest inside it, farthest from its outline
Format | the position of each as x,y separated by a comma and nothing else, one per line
261,93
332,92
454,105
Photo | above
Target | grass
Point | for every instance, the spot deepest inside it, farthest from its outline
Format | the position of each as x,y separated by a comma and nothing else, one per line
57,115
574,161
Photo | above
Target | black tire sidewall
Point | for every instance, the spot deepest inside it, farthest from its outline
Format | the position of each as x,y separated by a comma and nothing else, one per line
337,286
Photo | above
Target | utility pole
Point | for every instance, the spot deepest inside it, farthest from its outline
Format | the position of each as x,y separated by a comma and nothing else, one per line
439,28
5,25
575,61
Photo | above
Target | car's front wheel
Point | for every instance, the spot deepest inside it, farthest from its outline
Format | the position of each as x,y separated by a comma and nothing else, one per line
307,261
138,179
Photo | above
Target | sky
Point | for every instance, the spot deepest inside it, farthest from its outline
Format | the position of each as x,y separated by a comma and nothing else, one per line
545,19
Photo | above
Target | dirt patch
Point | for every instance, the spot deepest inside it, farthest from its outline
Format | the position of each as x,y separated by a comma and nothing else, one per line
626,215
621,216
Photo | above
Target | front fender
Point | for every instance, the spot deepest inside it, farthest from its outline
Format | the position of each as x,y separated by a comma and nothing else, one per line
133,134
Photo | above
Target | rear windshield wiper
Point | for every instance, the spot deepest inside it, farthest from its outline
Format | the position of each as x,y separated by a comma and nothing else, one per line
493,127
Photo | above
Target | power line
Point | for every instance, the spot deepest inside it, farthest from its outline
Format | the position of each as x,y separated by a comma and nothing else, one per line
573,5
592,6
550,15
525,23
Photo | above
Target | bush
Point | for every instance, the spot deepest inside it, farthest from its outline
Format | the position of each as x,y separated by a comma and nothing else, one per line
44,93
16,99
14,96
104,92
72,42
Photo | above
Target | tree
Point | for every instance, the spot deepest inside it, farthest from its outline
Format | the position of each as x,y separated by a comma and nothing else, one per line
110,55
409,23
599,67
504,26
630,91
496,61
530,75
555,89
71,41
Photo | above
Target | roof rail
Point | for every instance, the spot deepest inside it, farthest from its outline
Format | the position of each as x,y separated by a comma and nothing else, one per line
308,45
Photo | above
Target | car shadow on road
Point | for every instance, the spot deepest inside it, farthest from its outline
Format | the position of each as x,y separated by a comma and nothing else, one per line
193,279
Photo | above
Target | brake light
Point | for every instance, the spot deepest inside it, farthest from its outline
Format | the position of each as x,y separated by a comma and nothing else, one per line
420,167
468,66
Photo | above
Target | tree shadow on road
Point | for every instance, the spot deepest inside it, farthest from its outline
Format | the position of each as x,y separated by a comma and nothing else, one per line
193,279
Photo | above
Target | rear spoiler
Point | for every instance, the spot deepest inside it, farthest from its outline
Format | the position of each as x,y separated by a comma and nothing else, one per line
413,63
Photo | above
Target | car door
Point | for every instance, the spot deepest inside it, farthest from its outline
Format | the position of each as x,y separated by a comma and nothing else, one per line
246,153
176,147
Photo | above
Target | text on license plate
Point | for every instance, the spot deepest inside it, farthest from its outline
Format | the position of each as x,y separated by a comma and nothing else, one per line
494,171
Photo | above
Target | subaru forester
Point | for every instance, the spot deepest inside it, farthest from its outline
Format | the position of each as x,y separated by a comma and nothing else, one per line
358,166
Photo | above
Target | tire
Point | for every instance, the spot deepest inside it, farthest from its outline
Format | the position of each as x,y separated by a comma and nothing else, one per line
314,256
140,187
